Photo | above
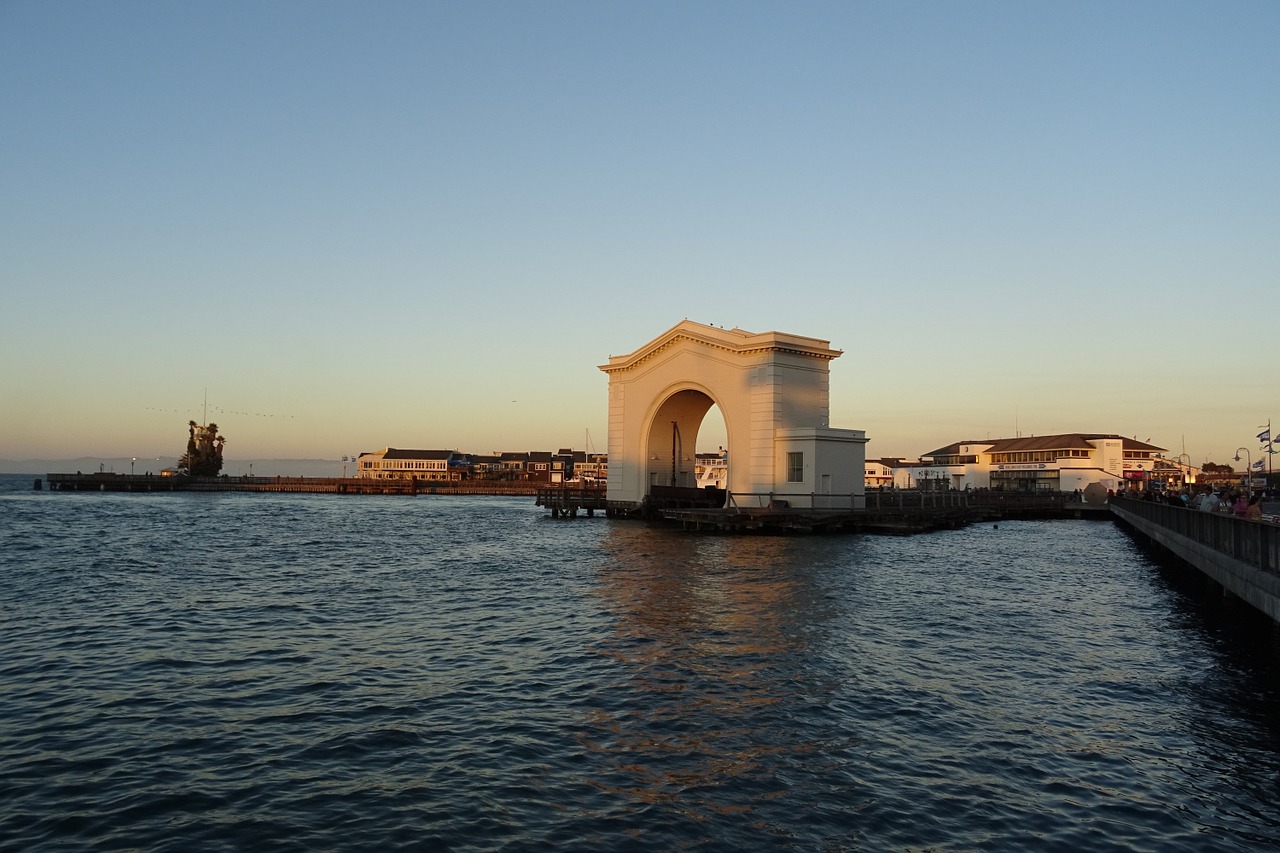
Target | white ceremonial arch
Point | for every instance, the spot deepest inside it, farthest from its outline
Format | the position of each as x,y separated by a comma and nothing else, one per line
771,388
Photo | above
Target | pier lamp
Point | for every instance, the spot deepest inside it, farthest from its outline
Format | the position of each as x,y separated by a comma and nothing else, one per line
132,462
1184,460
1248,470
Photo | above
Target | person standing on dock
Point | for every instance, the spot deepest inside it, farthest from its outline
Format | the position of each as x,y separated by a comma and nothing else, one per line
1254,510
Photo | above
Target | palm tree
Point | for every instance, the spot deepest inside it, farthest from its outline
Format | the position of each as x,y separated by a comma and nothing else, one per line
204,455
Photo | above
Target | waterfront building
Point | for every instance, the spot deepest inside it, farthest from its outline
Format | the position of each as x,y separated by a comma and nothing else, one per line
513,464
1045,463
528,465
538,469
562,465
569,465
593,467
486,466
889,473
392,463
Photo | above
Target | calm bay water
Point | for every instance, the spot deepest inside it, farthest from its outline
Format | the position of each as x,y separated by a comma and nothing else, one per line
231,672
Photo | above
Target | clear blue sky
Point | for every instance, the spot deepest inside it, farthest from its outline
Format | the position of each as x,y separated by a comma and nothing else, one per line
426,224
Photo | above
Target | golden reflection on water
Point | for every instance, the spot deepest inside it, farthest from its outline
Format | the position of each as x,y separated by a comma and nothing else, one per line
709,630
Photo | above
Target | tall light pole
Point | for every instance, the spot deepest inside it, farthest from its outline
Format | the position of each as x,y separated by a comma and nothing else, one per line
1184,460
1248,470
1268,447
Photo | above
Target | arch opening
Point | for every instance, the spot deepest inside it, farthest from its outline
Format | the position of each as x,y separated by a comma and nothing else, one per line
685,424
675,436
711,464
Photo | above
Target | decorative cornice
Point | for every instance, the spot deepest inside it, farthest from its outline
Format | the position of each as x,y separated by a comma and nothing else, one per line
734,341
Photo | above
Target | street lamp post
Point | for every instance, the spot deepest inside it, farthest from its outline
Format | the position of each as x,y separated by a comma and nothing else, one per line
1248,470
1184,462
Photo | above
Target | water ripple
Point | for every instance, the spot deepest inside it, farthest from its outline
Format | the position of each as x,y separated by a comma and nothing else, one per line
303,672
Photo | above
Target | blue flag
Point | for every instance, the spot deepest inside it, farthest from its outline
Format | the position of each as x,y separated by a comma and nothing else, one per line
1264,436
1258,464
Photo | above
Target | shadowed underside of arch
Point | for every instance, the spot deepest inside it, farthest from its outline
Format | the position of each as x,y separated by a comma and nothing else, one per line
670,451
772,391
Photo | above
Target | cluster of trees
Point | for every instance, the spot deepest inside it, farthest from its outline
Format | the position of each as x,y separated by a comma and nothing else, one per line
204,450
1215,468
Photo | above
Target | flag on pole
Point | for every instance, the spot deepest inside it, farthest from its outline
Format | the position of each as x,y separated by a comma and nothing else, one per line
1264,436
1258,464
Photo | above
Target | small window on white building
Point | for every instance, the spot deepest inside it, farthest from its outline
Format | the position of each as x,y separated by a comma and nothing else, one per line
795,467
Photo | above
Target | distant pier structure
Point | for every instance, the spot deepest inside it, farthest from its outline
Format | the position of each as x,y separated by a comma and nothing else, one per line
773,392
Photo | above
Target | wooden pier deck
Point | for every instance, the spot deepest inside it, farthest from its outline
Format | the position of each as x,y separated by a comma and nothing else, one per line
897,512
801,520
566,500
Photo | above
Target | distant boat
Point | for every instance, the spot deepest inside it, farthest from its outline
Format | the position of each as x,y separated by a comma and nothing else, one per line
712,469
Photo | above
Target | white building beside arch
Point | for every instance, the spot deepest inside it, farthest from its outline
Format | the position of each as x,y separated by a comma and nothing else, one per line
772,390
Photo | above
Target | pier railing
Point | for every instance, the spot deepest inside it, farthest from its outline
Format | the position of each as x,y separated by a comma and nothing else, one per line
1255,543
793,500
871,500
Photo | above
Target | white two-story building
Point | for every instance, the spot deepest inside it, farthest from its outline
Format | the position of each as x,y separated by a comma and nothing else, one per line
1042,463
395,464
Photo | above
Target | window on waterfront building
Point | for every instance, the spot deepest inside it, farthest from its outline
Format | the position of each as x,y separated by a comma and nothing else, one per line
795,467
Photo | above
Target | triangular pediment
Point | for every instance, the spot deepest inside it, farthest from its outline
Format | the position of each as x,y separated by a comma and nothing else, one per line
736,341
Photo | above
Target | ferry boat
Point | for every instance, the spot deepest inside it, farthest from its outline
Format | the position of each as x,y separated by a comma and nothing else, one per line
712,469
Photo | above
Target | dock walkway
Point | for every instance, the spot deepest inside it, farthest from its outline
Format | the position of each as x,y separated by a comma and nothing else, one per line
808,520
897,512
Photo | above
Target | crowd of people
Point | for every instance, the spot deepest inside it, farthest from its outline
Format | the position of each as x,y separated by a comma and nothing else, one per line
1219,499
